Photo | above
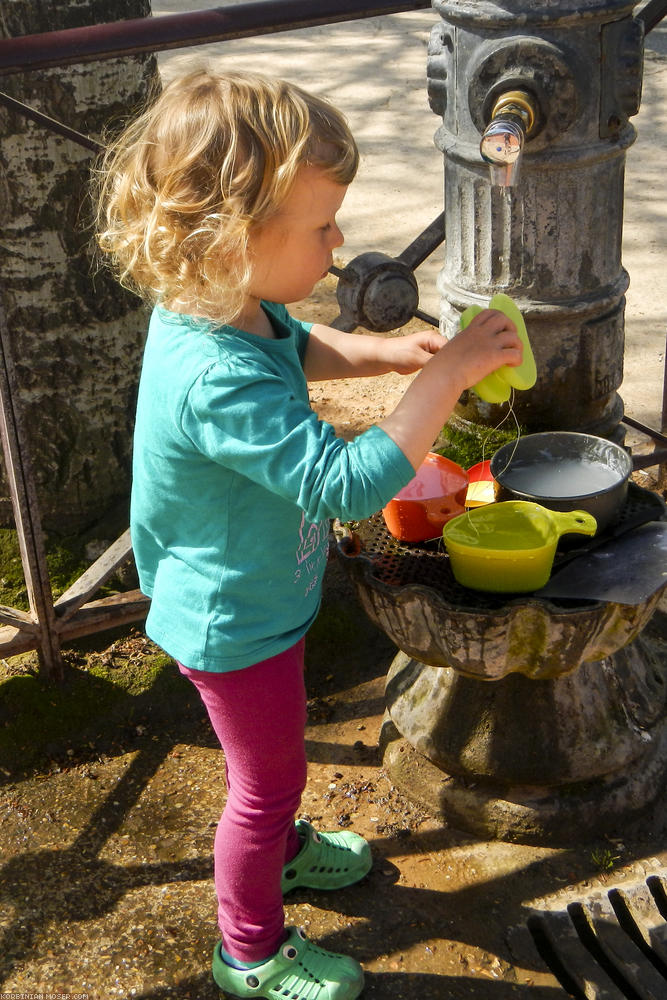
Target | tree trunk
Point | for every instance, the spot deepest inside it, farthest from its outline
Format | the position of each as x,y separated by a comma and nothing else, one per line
76,336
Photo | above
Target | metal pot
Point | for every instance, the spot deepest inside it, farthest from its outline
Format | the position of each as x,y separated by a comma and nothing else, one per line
565,470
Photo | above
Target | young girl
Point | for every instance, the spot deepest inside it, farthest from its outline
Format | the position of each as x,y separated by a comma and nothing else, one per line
219,206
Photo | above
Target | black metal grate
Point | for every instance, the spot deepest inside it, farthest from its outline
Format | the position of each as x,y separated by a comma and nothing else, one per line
426,564
612,944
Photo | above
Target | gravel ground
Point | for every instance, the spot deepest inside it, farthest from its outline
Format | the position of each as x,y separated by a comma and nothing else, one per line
106,878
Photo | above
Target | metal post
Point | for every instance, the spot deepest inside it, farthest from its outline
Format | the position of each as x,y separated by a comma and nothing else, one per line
26,514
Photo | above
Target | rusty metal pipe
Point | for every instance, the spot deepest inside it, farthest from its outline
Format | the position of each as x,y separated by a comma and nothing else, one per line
151,34
50,123
652,14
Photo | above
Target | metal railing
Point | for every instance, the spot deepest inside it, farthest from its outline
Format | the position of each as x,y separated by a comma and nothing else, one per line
148,34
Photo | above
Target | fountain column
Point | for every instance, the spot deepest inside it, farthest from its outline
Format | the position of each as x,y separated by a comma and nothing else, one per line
552,240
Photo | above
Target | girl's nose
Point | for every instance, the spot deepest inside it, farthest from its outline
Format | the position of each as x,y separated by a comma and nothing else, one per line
337,238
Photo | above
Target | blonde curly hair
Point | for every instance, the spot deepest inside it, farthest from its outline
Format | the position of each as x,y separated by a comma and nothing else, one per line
211,159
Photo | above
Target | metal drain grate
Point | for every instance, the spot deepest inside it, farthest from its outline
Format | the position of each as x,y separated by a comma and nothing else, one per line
399,563
611,946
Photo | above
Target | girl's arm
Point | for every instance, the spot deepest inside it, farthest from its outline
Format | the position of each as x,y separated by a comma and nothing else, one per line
447,368
332,354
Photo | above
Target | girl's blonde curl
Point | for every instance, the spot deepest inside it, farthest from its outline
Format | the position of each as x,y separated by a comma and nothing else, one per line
212,157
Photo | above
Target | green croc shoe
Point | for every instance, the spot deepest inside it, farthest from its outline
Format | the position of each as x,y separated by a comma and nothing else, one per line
326,860
300,971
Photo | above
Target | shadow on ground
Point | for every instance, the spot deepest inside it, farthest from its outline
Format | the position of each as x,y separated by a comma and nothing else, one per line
106,881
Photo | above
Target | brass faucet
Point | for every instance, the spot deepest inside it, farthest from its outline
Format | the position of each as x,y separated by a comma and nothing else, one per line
513,119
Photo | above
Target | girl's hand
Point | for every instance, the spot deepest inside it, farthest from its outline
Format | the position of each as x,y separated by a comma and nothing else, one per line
409,353
488,342
333,354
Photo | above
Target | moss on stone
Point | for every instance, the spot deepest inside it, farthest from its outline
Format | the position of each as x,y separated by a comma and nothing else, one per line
102,694
467,444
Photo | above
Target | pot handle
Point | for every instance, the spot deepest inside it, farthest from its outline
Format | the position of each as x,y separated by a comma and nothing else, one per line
578,522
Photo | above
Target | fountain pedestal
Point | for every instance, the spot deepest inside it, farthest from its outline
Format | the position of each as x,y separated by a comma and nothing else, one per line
519,759
514,717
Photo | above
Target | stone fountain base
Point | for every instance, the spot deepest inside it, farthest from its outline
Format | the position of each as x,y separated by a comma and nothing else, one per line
533,760
515,717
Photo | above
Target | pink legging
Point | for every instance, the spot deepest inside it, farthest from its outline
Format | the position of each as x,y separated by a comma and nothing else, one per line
259,716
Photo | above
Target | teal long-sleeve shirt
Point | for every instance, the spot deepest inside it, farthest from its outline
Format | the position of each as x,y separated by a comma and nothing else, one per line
235,480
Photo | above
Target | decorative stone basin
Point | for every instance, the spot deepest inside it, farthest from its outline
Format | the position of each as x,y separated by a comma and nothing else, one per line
409,591
513,716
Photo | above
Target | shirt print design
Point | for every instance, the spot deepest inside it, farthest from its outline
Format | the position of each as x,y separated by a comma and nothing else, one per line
312,553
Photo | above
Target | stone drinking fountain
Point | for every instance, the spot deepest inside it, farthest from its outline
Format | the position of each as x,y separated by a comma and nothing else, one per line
524,716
